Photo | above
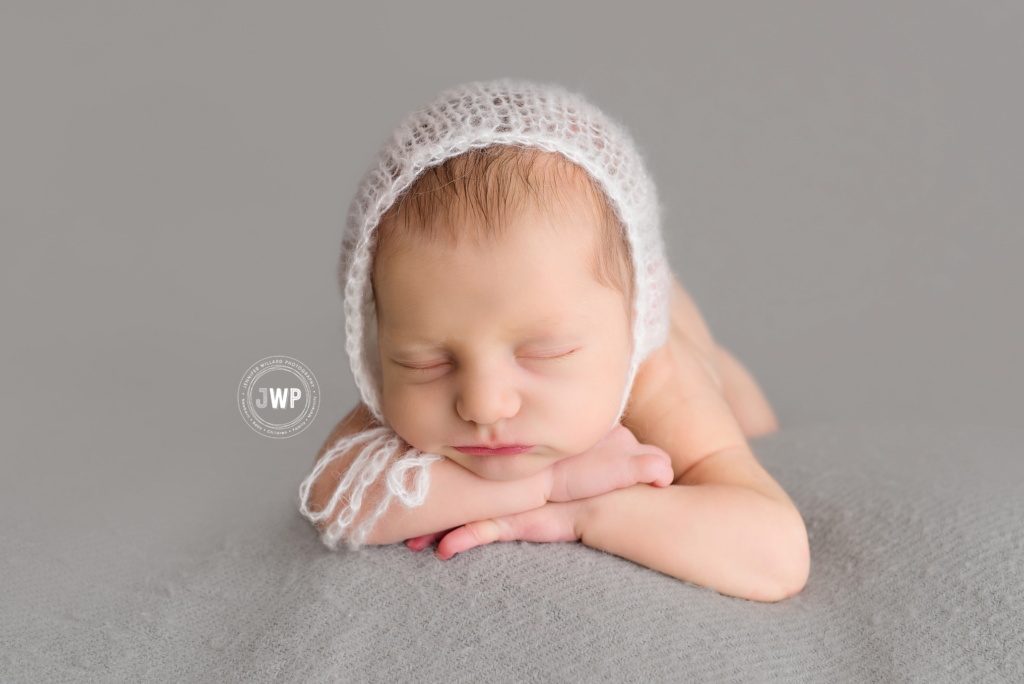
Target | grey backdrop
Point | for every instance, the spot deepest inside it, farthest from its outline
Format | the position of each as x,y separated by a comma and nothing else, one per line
842,185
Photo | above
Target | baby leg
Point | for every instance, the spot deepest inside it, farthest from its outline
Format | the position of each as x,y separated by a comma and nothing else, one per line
745,398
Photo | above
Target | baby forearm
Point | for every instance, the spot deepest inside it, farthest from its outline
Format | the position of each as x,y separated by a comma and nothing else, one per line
456,497
731,539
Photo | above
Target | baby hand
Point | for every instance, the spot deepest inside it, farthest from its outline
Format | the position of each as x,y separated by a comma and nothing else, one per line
616,462
552,522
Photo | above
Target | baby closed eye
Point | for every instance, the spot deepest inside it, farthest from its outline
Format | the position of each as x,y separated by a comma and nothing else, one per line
425,368
436,365
551,357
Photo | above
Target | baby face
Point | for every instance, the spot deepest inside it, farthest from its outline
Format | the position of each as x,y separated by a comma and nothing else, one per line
503,342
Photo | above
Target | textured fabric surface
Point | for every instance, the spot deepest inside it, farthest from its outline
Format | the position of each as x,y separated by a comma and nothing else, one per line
917,546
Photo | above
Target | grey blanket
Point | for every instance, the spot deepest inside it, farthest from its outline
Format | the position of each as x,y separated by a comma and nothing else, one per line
917,543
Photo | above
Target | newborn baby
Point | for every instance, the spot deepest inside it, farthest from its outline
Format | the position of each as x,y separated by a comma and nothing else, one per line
508,317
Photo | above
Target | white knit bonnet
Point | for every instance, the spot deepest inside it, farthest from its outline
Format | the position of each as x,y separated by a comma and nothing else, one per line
476,115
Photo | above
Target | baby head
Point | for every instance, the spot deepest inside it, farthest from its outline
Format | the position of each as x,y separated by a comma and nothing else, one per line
504,276
503,290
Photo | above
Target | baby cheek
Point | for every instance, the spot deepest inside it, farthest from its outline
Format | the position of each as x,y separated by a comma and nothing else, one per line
587,410
414,414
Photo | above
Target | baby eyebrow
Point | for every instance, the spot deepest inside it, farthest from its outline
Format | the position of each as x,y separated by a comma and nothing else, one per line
559,337
409,341
414,346
550,343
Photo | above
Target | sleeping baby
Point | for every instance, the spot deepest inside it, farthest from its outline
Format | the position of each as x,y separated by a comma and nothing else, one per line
530,369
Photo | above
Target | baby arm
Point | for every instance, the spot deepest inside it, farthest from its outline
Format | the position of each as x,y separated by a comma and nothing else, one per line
457,496
618,461
725,523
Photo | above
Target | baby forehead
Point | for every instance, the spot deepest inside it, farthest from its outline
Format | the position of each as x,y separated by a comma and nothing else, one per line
481,198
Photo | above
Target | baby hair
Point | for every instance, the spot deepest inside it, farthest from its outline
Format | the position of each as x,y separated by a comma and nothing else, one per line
494,183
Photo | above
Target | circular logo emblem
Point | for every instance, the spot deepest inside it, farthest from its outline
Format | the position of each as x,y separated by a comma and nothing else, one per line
278,397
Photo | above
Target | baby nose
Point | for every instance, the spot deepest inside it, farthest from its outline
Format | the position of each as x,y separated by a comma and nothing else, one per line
485,398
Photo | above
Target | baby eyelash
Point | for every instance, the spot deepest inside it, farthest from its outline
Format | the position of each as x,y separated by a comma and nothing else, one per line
424,368
550,358
533,358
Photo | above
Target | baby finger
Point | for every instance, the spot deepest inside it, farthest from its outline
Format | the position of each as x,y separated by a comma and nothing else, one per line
422,542
479,533
652,468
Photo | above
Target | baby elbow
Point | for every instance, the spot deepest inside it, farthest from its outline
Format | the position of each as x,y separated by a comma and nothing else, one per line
780,587
783,572
794,565
794,582
801,574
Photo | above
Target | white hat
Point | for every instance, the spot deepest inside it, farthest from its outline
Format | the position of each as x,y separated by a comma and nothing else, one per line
475,115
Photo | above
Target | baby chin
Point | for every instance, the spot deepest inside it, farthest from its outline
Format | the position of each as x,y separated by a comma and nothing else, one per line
502,467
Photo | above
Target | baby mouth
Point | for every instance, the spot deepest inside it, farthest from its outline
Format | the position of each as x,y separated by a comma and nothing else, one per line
497,451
